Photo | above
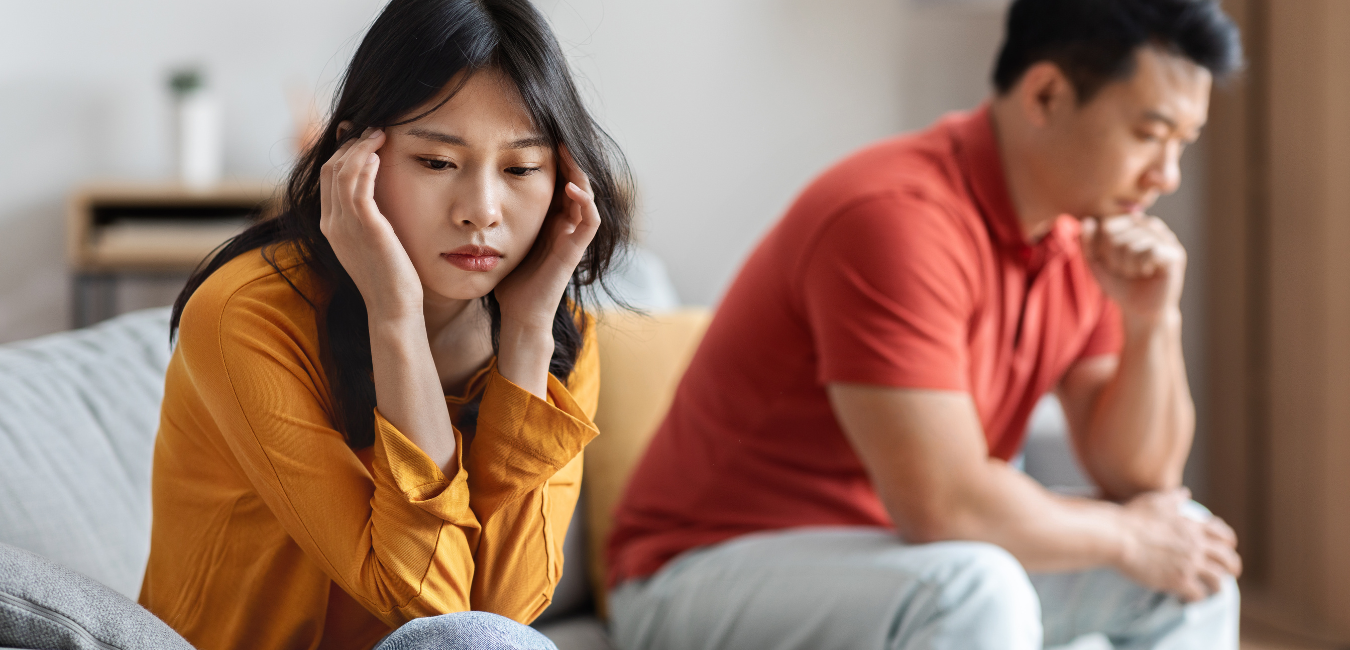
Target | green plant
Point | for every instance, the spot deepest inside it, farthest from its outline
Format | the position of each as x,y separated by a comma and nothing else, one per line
186,80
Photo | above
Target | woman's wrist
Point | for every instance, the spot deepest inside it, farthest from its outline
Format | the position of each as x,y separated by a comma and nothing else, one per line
398,322
523,355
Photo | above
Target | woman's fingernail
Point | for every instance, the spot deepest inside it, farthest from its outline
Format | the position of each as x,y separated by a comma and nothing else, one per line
374,132
574,186
372,159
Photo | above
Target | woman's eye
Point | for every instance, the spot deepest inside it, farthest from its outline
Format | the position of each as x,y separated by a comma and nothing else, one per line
436,163
521,171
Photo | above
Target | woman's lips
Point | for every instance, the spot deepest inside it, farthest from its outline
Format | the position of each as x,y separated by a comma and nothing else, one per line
474,258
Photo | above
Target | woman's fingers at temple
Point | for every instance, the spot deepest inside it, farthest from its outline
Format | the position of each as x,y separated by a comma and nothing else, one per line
572,171
364,198
582,214
356,178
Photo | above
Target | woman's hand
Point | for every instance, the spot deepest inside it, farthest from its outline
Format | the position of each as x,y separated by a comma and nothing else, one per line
529,296
407,386
361,237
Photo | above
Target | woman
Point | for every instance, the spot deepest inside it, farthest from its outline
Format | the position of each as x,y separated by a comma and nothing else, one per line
378,401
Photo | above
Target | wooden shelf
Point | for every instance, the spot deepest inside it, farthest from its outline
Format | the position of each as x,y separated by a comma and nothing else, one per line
157,227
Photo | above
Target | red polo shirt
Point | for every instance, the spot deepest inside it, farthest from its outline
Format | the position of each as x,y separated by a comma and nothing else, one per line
904,265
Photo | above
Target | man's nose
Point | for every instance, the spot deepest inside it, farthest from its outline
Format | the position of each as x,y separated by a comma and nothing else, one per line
1165,173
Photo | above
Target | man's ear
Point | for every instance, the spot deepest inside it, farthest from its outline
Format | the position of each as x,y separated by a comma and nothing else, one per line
1043,91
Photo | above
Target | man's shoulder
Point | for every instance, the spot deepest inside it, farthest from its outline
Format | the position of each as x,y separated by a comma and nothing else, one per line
919,167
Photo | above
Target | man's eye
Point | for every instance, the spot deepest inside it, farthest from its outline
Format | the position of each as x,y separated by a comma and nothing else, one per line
436,163
521,171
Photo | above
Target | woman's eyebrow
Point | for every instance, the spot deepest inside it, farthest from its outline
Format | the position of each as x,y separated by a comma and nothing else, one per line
454,140
437,136
528,143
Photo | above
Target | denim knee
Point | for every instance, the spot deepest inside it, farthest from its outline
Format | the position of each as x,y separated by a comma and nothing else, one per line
465,631
986,588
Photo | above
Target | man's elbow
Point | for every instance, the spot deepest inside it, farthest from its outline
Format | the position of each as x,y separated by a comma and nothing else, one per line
938,523
1134,479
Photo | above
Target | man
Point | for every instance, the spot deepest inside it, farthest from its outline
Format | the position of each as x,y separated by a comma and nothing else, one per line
834,472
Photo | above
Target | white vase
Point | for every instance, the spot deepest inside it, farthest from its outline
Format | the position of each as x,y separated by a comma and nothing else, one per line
200,139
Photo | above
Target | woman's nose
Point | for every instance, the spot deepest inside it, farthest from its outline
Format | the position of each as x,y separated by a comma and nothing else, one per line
479,204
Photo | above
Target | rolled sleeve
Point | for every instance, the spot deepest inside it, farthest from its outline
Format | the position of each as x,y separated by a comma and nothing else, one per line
405,469
522,440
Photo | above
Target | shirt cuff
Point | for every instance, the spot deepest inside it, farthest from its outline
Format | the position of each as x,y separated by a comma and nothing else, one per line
523,440
409,471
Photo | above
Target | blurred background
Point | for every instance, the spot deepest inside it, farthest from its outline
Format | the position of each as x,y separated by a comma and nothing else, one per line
725,109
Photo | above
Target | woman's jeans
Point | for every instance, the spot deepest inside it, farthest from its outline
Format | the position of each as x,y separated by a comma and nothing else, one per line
465,631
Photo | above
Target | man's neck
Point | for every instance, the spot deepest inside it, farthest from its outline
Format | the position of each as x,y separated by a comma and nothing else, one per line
1019,159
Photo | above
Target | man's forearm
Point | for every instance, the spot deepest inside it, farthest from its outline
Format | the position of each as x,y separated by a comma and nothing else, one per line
1043,530
1143,422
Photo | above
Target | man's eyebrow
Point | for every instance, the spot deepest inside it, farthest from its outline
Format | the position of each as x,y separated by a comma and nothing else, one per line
1155,116
454,140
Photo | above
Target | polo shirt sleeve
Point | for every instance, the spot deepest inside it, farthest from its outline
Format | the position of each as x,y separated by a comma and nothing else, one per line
888,295
1108,336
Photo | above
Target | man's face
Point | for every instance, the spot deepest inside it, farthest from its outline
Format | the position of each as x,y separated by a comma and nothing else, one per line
1119,152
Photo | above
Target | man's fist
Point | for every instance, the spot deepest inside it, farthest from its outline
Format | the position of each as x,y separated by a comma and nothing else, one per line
1138,262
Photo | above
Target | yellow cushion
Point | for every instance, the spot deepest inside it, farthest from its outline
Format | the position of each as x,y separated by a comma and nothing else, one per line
642,358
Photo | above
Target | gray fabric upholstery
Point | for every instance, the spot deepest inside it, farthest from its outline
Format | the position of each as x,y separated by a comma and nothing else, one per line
44,605
78,415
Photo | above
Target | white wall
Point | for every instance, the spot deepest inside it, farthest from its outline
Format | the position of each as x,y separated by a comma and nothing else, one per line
724,107
83,95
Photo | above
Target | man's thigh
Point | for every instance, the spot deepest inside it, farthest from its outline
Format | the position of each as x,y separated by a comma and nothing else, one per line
823,588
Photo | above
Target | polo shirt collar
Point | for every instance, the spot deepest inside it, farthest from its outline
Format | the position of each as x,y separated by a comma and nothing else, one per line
978,156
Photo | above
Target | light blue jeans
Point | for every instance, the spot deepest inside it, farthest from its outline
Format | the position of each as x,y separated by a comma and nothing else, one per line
465,631
853,588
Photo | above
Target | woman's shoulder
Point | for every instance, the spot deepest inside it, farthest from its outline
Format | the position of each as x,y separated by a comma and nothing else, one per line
270,284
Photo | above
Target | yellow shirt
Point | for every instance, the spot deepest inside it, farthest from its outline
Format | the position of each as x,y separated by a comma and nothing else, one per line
269,532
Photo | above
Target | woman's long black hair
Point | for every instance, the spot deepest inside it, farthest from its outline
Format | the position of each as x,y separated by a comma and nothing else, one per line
411,53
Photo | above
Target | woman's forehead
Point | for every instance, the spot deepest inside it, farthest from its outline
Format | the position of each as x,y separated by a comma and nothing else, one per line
484,108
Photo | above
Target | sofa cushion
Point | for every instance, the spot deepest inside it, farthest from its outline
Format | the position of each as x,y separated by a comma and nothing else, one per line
44,605
642,358
78,415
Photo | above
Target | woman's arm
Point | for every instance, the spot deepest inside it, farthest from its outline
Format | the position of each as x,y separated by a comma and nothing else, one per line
529,297
407,387
399,536
404,538
524,478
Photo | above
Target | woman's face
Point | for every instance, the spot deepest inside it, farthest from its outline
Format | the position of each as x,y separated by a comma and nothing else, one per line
467,187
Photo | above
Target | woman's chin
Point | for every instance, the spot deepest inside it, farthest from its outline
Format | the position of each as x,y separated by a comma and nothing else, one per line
450,295
472,289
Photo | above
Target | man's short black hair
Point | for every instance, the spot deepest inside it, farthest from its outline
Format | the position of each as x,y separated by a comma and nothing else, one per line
1094,41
